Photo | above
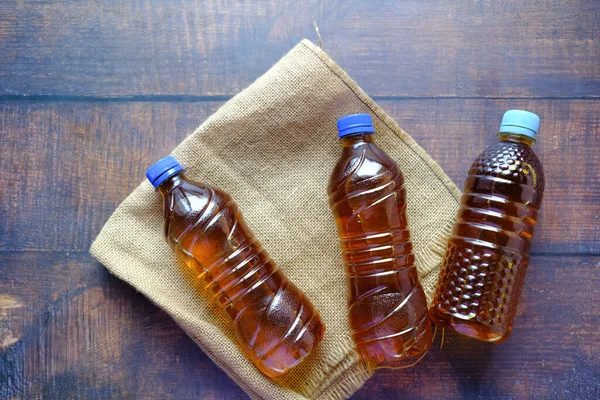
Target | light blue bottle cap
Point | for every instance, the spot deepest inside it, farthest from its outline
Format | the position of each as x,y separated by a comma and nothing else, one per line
520,122
162,170
355,123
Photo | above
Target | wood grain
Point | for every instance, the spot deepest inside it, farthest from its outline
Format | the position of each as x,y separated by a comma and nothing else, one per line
93,92
80,333
454,132
553,353
125,48
60,187
66,166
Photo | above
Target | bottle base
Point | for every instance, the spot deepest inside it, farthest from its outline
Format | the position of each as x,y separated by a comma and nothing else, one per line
396,352
469,327
401,363
286,355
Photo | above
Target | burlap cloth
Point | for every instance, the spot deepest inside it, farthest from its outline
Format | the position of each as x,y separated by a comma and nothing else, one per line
272,147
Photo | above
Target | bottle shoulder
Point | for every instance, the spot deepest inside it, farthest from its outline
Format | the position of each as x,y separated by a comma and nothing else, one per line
512,161
192,201
363,166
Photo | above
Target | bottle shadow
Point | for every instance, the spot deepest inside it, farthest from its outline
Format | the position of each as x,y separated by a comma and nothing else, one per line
469,362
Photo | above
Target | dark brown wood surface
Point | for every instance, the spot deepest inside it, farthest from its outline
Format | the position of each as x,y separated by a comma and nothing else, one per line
92,92
414,48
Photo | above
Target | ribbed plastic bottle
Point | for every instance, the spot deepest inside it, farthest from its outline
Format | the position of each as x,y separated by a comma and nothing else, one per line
488,251
275,324
387,304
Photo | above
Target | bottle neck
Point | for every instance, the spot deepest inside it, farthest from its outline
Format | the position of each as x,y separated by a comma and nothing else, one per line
515,138
356,140
171,183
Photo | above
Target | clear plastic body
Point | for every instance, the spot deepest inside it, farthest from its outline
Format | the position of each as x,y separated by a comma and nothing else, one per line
387,304
488,251
275,324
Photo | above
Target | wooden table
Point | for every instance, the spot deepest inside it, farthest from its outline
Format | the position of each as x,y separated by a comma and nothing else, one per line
92,92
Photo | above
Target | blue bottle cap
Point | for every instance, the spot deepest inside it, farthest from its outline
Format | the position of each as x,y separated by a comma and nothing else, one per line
162,170
355,123
520,122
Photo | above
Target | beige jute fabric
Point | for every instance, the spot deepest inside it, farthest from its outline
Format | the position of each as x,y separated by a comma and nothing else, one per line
272,147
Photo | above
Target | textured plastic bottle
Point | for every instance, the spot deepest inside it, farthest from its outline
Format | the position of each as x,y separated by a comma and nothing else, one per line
275,324
387,304
488,251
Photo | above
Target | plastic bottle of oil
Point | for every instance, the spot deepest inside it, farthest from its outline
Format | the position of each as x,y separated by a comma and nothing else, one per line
488,251
387,304
275,324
